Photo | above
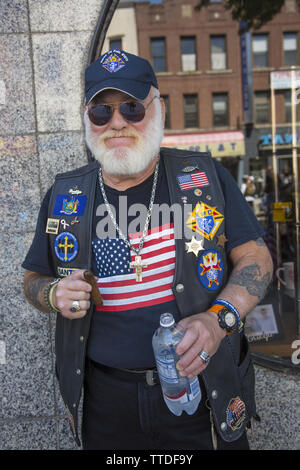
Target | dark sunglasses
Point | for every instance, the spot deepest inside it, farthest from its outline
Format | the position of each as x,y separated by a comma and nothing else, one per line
132,111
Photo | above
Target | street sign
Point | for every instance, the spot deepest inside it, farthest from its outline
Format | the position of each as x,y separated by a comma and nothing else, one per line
282,80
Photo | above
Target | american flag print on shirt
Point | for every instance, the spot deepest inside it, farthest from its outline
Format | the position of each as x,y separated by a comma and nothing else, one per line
117,281
193,180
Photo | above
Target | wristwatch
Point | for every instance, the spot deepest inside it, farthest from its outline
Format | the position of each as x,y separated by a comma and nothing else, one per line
228,319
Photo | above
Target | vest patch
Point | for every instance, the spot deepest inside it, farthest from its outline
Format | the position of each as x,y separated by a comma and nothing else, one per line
66,246
210,269
205,220
52,226
236,413
193,180
65,204
64,272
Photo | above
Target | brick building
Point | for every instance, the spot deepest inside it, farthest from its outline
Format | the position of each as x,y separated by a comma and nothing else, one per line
197,58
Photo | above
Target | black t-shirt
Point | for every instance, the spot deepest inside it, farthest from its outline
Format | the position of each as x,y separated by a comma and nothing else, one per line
121,332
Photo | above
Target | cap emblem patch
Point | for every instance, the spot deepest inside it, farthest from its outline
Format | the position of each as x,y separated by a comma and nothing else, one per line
113,63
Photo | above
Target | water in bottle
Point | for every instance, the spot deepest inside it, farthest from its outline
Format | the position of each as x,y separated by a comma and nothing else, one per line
180,393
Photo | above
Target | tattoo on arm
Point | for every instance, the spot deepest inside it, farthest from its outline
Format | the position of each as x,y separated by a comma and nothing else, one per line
252,279
34,286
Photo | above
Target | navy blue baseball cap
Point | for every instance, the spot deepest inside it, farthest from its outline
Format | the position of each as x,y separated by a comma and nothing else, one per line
120,71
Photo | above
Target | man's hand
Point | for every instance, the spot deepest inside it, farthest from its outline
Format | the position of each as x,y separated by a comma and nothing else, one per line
203,333
70,288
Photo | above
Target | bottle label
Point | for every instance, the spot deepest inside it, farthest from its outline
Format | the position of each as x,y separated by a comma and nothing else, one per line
185,396
166,368
195,388
180,398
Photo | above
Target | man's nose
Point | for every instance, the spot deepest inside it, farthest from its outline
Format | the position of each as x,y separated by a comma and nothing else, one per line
117,120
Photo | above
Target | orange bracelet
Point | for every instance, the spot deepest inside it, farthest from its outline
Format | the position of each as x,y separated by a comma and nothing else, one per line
216,308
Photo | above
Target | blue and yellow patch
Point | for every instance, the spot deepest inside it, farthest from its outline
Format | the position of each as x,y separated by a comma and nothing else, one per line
65,204
66,246
113,63
210,269
205,220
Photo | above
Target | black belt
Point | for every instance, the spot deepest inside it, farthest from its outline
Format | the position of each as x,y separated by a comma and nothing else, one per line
150,376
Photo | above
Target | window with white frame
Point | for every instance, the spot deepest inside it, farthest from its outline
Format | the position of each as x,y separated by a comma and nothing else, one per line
220,109
218,52
290,48
188,54
260,50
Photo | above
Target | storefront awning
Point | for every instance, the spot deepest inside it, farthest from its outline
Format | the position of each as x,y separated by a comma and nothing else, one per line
220,144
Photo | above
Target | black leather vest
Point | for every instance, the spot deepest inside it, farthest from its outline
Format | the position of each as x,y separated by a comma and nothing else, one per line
229,377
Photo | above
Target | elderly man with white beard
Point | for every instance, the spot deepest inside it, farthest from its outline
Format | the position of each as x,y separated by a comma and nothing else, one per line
214,267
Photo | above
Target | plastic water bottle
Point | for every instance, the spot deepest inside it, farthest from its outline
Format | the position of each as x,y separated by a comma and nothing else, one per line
180,393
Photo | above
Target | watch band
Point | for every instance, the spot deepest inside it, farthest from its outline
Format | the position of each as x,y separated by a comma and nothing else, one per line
215,308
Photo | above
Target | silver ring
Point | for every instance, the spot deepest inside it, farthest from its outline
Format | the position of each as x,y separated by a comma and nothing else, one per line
75,306
204,356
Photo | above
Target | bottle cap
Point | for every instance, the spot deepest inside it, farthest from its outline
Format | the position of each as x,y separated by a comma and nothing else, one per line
166,320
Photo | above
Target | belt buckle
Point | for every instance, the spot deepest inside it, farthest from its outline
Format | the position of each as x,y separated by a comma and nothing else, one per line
150,379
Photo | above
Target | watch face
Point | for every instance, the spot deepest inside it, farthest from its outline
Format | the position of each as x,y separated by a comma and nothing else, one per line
227,319
230,319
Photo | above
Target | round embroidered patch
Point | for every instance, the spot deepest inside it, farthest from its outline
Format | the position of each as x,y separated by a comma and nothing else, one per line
210,269
66,246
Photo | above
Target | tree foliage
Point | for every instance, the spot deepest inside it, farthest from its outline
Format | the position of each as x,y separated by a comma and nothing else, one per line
252,14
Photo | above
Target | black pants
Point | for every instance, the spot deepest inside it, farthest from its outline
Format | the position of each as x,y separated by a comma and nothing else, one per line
119,415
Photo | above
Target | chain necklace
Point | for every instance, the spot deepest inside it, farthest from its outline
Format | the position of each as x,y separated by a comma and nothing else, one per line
137,263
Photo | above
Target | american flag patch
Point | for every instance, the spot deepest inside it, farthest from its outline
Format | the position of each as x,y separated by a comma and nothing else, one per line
193,180
117,281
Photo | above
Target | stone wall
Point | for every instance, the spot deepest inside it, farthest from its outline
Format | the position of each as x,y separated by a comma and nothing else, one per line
43,52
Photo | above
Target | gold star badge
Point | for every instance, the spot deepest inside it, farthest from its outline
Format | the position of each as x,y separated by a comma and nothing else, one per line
222,240
194,246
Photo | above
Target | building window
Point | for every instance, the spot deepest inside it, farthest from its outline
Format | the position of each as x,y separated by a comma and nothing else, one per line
167,111
260,50
220,110
158,51
191,111
262,107
115,44
188,54
218,52
290,48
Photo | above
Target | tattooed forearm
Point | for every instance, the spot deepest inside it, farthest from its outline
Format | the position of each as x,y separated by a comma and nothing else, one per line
34,286
252,279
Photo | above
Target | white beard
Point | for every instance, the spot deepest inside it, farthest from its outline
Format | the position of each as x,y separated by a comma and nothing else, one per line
124,160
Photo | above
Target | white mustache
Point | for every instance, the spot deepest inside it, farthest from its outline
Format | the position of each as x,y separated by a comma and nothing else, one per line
115,134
